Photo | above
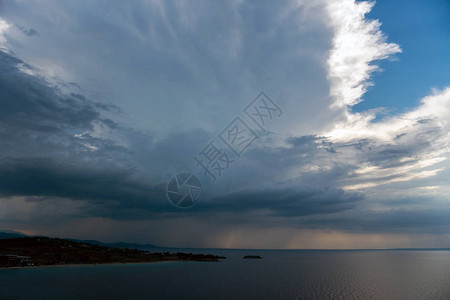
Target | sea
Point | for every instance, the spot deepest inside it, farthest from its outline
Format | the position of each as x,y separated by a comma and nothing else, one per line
280,274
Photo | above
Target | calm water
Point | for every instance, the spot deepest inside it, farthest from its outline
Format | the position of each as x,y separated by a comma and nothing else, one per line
279,275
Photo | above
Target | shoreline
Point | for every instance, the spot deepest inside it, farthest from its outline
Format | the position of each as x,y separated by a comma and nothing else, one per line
36,252
93,265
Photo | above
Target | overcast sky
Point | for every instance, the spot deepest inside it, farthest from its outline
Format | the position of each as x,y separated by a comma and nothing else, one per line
102,102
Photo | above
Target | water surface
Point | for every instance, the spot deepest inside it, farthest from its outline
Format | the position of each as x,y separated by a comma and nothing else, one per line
279,275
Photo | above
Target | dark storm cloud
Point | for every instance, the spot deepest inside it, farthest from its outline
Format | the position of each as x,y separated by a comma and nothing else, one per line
42,158
46,138
119,194
285,202
400,220
28,32
29,103
44,177
43,138
46,141
37,119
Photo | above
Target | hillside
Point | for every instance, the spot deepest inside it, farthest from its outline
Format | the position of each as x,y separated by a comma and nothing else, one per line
38,251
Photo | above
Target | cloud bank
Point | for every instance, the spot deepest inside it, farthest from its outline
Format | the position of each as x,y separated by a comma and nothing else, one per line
100,110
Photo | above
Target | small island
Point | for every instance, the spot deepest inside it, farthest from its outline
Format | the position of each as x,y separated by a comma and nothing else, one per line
45,251
252,257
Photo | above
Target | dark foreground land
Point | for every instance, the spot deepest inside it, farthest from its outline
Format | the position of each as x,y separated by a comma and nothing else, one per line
44,251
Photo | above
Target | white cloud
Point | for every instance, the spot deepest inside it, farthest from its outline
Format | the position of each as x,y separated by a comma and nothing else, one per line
4,26
433,111
357,43
399,148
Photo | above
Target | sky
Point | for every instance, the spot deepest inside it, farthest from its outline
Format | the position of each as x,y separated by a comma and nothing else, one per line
341,106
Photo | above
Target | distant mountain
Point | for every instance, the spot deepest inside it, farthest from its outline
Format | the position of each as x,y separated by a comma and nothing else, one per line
118,245
9,234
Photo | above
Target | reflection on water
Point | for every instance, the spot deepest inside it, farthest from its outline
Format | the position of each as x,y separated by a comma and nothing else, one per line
279,275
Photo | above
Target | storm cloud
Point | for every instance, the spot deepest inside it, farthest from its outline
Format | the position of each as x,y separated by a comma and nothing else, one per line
94,123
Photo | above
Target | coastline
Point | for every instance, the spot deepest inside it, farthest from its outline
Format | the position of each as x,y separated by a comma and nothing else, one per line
35,252
94,265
